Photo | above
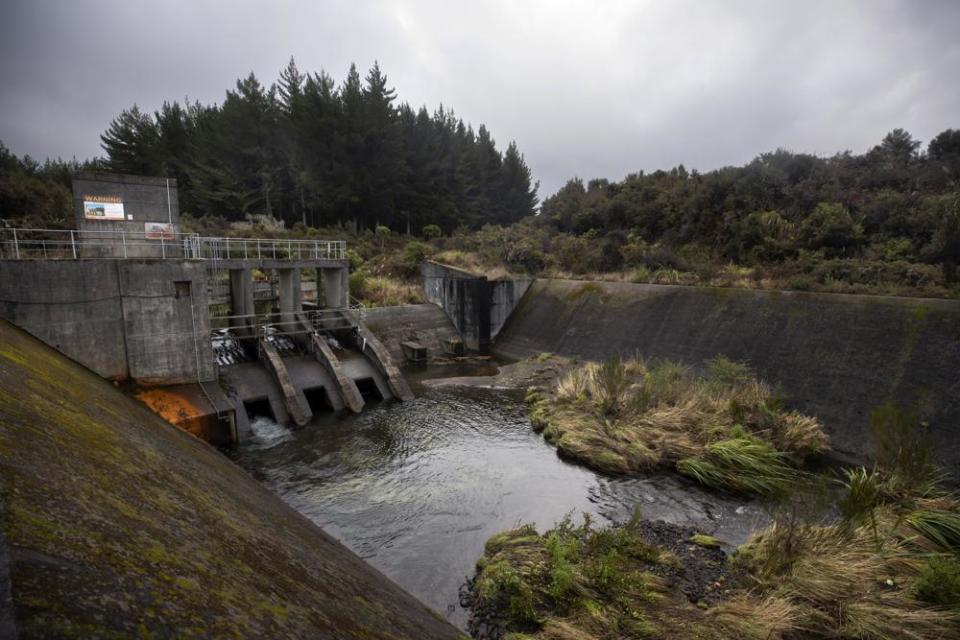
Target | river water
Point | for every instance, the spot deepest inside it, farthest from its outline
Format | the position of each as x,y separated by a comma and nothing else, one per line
417,488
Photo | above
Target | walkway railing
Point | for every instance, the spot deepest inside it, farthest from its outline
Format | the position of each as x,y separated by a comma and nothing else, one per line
72,244
283,324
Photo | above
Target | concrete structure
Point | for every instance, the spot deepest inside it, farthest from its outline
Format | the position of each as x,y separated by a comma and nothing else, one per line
427,324
141,319
129,299
835,356
148,208
116,525
477,307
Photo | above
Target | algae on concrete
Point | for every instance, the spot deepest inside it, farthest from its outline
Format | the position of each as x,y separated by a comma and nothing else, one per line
116,524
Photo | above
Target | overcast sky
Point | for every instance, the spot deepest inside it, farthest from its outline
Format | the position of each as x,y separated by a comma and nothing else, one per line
589,89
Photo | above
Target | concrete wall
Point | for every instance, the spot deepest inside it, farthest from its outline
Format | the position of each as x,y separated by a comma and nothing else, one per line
145,199
122,319
72,306
118,525
423,323
477,307
836,356
166,322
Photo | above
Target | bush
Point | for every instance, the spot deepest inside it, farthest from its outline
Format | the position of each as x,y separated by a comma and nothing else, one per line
431,231
939,582
653,257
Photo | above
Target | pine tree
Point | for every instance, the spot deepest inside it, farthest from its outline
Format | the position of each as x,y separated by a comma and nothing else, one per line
131,143
310,152
519,198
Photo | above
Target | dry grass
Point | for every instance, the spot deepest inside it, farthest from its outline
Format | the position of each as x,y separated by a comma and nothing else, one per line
725,429
837,583
383,291
750,618
471,261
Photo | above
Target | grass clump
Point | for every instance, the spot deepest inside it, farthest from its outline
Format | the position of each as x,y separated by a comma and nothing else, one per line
576,582
835,583
887,567
725,429
743,464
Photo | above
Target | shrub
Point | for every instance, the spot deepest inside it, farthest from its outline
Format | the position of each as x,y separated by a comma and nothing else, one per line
431,231
939,582
861,497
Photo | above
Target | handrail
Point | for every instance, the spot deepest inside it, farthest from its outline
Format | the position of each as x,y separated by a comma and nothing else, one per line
72,244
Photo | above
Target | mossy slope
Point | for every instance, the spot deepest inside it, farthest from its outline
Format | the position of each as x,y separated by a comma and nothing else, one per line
118,525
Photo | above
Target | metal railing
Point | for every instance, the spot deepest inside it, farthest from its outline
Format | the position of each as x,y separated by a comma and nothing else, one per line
287,324
270,249
73,244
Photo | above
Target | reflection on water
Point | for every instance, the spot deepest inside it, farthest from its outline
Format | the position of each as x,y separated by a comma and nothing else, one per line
417,488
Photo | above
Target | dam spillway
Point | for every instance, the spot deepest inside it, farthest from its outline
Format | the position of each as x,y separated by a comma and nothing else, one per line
116,524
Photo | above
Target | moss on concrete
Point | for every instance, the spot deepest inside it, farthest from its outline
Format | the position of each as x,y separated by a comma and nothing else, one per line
119,525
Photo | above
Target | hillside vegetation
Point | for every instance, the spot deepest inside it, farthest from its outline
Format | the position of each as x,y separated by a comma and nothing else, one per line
307,157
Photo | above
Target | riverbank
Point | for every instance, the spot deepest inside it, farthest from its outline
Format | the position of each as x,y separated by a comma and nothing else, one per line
865,555
885,569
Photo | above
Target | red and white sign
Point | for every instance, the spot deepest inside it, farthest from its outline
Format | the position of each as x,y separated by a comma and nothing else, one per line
158,230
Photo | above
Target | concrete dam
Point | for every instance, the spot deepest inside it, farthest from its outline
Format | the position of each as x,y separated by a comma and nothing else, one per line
115,523
182,317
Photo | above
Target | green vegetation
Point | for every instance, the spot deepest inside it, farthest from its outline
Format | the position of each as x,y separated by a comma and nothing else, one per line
305,150
886,568
703,540
860,577
325,161
726,429
579,582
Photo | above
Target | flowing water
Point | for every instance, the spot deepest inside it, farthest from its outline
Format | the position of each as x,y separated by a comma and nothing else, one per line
417,488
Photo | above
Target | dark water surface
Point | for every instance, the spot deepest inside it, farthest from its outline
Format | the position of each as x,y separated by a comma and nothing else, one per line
417,488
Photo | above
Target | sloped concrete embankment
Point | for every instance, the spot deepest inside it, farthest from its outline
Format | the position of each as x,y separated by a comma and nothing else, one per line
116,524
835,356
423,323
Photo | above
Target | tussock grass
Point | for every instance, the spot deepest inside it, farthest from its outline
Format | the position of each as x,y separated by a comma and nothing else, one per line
576,582
838,583
743,464
725,429
884,566
886,569
942,528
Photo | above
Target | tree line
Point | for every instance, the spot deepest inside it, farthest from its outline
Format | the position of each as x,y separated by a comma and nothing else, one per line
306,150
894,202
